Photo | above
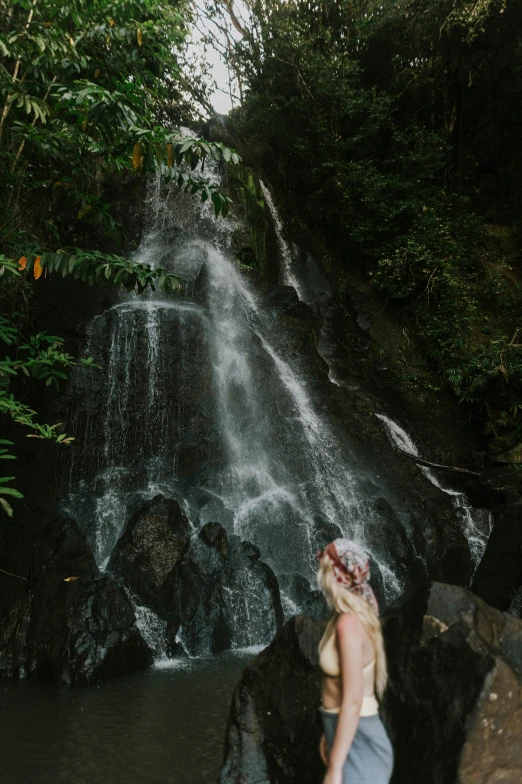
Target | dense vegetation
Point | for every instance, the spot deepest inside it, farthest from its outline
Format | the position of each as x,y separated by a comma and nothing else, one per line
393,130
87,91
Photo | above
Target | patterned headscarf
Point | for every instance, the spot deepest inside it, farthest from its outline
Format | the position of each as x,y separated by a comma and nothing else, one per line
351,568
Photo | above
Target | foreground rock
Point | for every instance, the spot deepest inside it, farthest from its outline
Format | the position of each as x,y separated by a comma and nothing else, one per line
455,697
71,625
211,592
273,728
453,707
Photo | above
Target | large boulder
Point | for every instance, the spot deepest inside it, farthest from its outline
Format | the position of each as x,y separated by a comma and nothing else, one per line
152,544
74,625
226,597
273,727
453,707
442,667
209,592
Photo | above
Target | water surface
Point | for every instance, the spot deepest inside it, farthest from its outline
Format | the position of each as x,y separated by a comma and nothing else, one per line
162,726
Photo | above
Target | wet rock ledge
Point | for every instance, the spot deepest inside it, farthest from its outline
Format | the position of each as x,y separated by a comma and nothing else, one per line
453,706
67,622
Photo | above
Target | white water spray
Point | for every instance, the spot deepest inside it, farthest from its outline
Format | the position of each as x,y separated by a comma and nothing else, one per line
477,522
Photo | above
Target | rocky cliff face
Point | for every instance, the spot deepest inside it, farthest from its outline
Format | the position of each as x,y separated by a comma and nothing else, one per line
453,706
215,590
66,622
70,623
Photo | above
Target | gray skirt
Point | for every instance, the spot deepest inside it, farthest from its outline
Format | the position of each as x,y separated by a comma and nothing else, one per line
370,759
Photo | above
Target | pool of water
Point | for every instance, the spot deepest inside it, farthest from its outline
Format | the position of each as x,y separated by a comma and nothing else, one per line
162,726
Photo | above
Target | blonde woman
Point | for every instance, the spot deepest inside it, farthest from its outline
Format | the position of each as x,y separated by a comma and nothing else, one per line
355,746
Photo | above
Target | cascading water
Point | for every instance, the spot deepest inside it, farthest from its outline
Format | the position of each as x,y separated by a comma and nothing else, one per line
201,399
477,522
288,278
284,468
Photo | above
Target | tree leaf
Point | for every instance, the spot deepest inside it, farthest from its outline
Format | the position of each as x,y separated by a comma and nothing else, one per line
37,269
11,491
6,506
137,156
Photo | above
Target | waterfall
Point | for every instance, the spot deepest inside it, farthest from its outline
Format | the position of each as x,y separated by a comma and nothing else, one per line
285,467
288,277
202,398
477,522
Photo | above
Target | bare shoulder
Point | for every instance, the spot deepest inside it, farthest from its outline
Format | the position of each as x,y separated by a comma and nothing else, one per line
350,625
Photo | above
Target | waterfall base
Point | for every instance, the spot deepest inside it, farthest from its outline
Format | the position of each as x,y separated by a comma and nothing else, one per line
211,592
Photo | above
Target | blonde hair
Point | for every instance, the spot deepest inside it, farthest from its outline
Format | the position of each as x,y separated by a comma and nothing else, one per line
342,600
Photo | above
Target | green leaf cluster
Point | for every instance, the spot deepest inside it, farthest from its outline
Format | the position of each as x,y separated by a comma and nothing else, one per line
88,91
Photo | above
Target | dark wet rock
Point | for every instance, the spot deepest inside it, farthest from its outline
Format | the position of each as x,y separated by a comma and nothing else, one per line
214,510
494,735
224,597
391,544
499,574
376,581
285,300
295,586
364,321
453,707
325,532
503,443
442,542
273,728
513,457
75,626
250,589
307,601
249,550
314,606
212,593
215,535
283,297
496,486
152,544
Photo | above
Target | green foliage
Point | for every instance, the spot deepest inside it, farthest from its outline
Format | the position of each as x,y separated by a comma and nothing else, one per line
4,490
393,135
82,85
40,357
96,267
87,91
